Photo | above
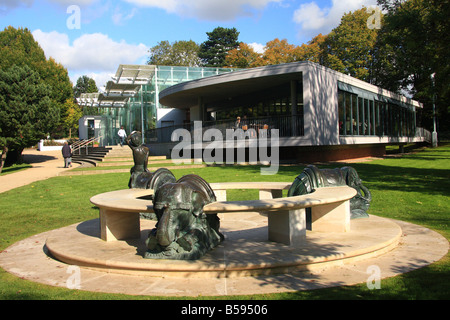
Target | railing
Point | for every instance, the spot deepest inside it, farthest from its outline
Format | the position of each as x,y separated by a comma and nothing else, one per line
422,132
83,143
288,126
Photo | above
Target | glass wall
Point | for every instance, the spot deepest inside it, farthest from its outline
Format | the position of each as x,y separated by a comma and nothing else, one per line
272,107
362,113
140,111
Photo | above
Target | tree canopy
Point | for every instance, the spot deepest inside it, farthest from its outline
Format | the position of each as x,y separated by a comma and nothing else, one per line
179,53
220,41
21,56
27,111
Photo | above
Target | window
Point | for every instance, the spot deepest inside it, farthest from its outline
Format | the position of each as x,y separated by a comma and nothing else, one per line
368,114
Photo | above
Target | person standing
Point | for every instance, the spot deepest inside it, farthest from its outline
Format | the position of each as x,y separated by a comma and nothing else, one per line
67,155
122,135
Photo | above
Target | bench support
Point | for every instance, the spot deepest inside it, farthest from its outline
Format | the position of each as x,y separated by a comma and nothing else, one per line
288,227
116,225
333,217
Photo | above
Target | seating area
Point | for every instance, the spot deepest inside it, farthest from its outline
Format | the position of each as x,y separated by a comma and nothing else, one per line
120,220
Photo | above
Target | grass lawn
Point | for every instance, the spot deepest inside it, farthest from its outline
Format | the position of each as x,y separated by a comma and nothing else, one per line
413,188
15,168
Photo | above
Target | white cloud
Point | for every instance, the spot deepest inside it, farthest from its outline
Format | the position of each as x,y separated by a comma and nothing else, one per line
95,55
258,47
119,18
207,9
100,78
314,20
96,51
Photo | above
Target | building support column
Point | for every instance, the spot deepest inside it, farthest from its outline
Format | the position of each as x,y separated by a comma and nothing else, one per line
294,131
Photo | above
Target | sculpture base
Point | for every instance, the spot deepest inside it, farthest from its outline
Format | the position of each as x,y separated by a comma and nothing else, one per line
245,251
118,267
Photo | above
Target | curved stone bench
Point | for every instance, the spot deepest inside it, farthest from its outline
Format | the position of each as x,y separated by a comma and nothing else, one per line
330,210
119,212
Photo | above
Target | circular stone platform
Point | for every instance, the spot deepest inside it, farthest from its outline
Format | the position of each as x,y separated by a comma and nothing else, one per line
245,263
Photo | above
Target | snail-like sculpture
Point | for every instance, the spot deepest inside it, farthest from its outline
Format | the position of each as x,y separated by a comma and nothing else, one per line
312,178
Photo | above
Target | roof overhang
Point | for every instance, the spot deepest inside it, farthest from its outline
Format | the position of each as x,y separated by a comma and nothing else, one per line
229,85
134,74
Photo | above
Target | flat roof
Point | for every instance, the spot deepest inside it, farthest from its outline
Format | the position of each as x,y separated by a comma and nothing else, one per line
247,81
228,85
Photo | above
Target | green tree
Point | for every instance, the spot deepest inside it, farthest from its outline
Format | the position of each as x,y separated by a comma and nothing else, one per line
179,53
349,48
84,85
220,41
413,45
27,112
18,48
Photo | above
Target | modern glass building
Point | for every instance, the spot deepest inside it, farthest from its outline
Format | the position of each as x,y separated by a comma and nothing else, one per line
131,99
320,114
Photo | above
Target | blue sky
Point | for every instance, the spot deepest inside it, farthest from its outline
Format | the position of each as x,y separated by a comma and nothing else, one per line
92,37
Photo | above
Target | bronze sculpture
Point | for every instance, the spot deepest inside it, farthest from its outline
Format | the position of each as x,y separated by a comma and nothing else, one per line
183,231
312,178
140,157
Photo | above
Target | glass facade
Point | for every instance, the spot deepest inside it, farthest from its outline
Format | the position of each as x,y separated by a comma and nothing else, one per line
140,111
363,113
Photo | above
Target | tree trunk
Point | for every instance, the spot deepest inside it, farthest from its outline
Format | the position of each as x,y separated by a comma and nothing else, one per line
14,156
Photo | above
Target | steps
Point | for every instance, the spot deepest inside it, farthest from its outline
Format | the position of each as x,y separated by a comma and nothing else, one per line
111,156
90,156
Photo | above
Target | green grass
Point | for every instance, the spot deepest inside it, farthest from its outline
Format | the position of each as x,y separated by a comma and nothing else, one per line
15,168
413,188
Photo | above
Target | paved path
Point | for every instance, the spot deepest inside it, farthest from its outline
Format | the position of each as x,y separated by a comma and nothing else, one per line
45,164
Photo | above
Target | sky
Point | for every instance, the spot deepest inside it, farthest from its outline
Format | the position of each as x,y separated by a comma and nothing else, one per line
93,37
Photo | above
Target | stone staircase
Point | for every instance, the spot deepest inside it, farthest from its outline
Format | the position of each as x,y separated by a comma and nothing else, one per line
111,156
89,156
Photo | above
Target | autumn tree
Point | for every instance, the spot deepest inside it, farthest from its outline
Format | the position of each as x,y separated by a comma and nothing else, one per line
179,53
312,51
243,57
278,51
72,113
220,41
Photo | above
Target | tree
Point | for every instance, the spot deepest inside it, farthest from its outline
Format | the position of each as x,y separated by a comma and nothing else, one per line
413,45
220,41
243,57
278,51
72,113
27,112
179,53
18,47
349,48
312,51
84,85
